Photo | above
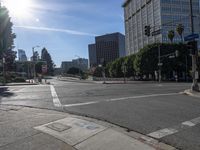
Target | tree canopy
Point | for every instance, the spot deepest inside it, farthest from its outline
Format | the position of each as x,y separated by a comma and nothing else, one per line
6,39
45,56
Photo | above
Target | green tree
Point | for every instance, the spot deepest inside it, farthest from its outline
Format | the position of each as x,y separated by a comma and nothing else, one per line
98,72
6,40
74,71
38,67
171,35
146,61
45,56
129,61
180,30
9,56
116,68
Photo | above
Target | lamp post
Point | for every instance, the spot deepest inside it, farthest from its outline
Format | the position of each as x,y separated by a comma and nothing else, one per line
4,76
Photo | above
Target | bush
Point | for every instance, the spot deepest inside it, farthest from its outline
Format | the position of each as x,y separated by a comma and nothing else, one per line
2,80
19,79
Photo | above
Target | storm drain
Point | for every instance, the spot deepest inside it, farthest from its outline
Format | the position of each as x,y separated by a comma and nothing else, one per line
71,130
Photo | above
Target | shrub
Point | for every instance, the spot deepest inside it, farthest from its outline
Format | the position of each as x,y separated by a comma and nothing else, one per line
19,79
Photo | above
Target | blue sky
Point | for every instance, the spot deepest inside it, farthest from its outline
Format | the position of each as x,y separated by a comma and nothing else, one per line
66,27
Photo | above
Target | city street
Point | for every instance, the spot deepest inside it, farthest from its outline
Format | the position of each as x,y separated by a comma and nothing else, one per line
160,111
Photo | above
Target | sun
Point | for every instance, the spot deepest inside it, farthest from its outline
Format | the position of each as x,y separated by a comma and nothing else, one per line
18,8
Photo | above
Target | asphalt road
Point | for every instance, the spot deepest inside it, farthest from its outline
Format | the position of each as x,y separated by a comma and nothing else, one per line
157,110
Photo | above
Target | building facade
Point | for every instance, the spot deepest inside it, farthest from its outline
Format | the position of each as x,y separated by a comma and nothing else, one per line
22,55
92,55
107,48
159,14
80,63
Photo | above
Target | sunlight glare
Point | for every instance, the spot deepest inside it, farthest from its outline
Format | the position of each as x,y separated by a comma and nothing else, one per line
18,8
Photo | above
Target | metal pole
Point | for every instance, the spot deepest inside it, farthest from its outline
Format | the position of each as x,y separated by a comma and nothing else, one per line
195,86
186,69
159,65
4,70
34,71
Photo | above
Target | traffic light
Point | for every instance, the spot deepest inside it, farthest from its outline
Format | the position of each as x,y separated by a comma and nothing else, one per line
147,30
192,47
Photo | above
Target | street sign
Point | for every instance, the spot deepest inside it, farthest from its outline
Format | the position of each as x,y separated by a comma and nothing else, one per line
157,32
191,37
44,68
160,64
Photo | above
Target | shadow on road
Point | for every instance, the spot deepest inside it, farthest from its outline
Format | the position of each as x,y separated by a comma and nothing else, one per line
5,93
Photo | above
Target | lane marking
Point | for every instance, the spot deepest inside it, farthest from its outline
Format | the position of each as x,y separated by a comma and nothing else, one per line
120,99
162,133
142,96
56,100
170,131
188,123
81,104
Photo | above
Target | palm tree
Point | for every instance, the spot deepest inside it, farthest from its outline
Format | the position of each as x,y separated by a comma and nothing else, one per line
171,35
180,30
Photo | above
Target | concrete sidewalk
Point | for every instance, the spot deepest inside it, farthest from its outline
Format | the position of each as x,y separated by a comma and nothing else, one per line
23,128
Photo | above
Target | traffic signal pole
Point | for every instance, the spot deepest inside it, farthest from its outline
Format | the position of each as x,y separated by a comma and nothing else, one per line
159,65
195,86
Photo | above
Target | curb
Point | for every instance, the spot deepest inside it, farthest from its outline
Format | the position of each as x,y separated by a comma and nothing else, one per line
151,142
191,93
20,84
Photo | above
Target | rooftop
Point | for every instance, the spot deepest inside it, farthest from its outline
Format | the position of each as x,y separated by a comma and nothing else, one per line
125,3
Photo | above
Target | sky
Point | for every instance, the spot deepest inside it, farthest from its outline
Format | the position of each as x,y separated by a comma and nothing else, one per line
65,27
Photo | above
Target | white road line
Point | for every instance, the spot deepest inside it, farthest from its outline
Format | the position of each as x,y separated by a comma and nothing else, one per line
188,123
120,99
162,133
56,100
142,96
169,131
81,104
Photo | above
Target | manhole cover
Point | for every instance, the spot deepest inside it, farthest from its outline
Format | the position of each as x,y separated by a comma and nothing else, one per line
58,127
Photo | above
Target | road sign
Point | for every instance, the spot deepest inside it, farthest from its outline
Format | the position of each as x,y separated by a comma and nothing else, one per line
160,64
191,37
44,68
157,32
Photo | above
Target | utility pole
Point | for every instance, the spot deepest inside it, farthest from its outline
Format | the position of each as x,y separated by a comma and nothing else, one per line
4,75
34,61
195,86
159,65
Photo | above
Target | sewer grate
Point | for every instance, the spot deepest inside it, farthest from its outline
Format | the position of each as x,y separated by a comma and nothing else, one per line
58,127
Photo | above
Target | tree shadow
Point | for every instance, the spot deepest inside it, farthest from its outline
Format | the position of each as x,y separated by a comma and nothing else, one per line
5,93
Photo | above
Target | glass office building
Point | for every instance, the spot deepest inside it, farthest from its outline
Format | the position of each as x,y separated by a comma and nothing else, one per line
159,14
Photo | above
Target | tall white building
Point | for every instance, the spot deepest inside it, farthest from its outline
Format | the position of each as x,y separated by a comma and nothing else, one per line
159,14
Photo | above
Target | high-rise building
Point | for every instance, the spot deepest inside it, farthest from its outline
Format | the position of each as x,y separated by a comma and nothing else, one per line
107,48
92,55
159,14
22,55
